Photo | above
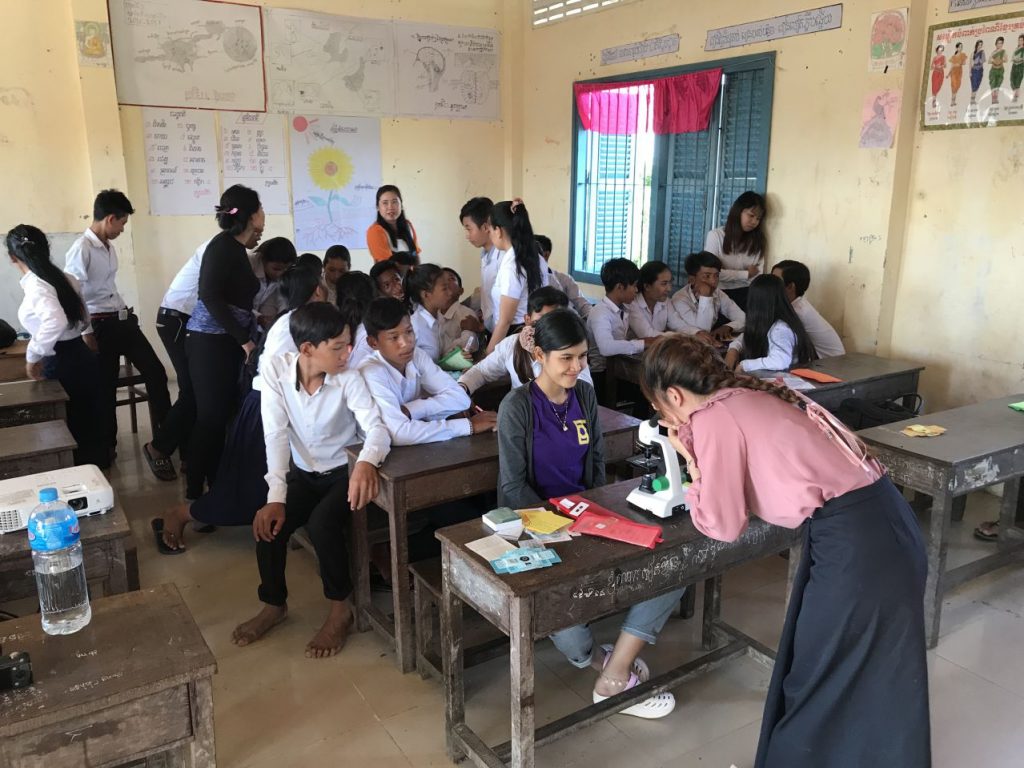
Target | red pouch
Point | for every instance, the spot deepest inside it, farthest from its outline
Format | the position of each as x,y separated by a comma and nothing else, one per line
574,506
617,529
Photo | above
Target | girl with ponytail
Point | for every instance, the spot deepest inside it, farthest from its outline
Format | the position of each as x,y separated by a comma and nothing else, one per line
850,677
53,313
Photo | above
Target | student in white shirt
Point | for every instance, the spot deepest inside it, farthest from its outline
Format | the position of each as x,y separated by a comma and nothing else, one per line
701,303
460,325
651,313
55,316
741,244
796,277
387,279
427,295
475,218
355,292
774,339
269,261
337,261
563,281
521,269
313,407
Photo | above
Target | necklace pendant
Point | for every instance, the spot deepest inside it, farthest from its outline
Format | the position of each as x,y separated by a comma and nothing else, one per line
565,427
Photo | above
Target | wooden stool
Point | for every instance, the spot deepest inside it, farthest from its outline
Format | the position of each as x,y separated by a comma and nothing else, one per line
130,379
30,448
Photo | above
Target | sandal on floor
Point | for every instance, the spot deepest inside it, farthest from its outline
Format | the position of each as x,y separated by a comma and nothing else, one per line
157,524
640,668
987,531
658,706
161,467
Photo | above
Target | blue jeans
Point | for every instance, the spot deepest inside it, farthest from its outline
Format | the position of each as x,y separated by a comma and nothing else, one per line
643,620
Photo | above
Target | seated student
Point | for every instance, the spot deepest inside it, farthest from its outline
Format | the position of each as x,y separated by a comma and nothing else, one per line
415,397
337,261
460,325
796,277
426,296
550,444
701,302
774,339
355,292
510,357
565,283
651,313
475,217
312,407
387,279
310,261
269,261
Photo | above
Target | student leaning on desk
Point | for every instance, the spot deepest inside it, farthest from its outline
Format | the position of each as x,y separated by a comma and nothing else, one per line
850,682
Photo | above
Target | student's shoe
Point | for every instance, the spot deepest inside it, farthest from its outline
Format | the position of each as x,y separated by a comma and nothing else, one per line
658,706
640,668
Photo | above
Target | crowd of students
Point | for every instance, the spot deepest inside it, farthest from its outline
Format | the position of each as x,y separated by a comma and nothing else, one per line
284,360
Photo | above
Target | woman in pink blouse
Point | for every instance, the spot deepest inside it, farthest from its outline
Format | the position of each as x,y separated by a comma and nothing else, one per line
850,683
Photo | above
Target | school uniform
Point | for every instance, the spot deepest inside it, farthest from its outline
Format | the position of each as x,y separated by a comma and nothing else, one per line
312,431
734,278
608,328
571,288
509,283
781,350
67,359
428,332
850,683
450,322
645,322
822,335
701,313
361,348
501,363
116,330
268,301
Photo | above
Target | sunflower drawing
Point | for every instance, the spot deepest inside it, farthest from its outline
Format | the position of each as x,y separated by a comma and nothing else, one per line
331,170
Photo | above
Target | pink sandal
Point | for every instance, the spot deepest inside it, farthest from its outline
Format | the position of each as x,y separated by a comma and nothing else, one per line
658,706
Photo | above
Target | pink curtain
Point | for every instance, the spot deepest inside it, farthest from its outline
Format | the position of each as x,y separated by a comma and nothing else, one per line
680,104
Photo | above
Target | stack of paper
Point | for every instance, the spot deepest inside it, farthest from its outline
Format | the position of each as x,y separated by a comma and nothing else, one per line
504,522
542,521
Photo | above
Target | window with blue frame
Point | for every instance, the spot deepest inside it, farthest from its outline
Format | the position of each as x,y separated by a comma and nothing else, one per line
644,196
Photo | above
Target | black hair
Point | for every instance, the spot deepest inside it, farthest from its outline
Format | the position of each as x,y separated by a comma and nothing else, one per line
477,209
978,44
559,329
796,273
517,225
278,250
695,262
546,296
380,268
244,202
29,245
355,290
310,261
316,323
456,275
420,280
383,314
650,272
1000,40
405,258
958,46
298,284
738,241
401,230
619,272
111,202
940,45
338,252
766,304
544,242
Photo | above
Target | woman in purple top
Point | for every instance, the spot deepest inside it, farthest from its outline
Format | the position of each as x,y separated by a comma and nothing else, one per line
550,444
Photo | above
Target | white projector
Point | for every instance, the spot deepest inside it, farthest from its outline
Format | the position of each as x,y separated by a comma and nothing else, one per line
83,488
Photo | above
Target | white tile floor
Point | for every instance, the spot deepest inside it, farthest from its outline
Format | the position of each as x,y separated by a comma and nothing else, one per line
275,708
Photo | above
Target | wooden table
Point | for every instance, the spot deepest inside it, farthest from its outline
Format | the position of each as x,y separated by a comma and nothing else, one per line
983,446
136,683
30,448
420,476
596,578
26,402
12,361
104,540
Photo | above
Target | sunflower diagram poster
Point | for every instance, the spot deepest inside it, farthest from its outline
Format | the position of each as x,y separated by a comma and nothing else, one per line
336,169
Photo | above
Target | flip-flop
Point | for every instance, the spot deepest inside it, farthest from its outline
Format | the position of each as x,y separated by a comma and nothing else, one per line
640,668
161,467
981,533
658,706
157,524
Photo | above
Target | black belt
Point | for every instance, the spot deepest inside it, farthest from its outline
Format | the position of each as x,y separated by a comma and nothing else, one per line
165,312
111,315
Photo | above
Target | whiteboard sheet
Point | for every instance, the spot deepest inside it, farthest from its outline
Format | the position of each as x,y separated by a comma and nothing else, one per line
181,161
254,153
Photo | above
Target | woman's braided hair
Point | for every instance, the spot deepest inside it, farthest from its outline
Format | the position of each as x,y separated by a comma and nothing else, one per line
677,360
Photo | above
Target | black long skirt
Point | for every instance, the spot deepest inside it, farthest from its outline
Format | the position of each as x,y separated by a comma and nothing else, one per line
850,684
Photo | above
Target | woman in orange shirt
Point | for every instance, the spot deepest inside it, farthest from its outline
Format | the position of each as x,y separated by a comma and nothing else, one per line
392,234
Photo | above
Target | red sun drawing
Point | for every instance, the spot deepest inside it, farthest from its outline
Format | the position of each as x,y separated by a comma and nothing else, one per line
300,123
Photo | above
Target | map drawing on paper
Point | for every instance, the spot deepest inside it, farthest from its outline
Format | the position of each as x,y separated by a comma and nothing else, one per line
188,53
336,169
323,64
447,71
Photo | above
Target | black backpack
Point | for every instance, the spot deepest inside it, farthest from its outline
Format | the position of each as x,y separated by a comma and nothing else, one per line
858,413
7,334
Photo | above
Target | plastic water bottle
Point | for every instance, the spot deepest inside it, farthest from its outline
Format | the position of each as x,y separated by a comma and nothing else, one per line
53,536
469,342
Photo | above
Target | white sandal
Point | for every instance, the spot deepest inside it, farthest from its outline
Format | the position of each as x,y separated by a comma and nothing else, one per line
640,668
658,706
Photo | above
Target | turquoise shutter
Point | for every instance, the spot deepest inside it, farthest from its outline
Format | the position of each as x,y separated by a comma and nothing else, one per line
744,139
687,197
612,198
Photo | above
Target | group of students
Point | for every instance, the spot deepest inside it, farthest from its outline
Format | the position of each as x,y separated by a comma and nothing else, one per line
850,683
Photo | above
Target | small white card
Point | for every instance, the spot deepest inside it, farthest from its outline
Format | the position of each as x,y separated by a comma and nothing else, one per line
490,547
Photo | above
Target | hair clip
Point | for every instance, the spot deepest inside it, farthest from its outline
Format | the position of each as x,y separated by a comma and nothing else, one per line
221,209
516,202
526,338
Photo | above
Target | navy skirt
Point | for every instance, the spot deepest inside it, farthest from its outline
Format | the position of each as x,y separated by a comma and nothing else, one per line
240,488
850,683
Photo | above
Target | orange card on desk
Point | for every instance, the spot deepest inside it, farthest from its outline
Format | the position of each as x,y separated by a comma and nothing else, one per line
818,376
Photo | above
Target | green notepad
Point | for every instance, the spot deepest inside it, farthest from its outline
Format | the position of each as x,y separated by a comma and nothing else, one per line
1018,406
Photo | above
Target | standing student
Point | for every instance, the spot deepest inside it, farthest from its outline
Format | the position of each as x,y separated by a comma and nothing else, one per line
651,313
475,217
796,278
741,245
54,314
312,407
773,339
337,261
521,269
387,279
92,260
392,233
426,296
565,282
460,325
355,292
269,261
701,303
311,261
221,330
550,444
850,683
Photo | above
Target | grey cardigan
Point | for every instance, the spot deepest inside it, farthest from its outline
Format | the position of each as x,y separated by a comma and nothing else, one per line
516,482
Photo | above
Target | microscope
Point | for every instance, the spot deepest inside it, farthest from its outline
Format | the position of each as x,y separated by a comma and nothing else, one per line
662,491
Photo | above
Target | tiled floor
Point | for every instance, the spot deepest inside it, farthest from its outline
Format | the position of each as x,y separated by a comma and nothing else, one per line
275,708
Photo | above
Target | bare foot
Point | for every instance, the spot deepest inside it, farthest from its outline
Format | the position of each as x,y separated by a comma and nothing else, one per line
250,631
175,519
332,635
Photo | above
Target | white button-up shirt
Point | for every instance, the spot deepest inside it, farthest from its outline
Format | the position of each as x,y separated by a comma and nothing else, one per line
183,292
95,266
571,288
314,429
781,350
279,340
43,317
450,323
501,363
429,395
509,283
428,332
489,258
608,325
734,265
645,323
700,313
822,335
268,301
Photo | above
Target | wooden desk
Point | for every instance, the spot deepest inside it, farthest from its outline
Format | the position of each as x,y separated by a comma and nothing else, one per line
26,402
595,578
12,361
104,539
984,445
418,476
30,448
135,683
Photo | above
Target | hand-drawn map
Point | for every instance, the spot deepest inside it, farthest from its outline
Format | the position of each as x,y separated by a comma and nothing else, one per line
188,53
323,64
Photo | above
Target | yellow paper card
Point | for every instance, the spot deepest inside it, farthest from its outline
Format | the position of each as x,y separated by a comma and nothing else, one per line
923,430
543,521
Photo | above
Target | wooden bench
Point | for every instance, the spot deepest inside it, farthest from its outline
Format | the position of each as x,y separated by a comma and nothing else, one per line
132,381
27,402
135,684
30,448
12,361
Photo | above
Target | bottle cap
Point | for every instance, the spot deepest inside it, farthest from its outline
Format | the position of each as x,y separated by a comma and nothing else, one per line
47,495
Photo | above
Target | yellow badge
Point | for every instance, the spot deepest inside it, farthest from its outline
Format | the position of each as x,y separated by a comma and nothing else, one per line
581,431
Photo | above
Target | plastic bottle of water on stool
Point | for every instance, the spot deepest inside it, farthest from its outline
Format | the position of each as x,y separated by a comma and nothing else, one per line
53,536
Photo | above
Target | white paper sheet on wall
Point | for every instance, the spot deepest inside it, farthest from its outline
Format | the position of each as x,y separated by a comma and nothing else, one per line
254,153
181,161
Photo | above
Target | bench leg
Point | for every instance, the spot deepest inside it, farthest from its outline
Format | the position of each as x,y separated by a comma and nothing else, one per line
521,668
202,752
687,602
117,581
712,609
451,662
423,606
401,595
1008,514
959,505
938,546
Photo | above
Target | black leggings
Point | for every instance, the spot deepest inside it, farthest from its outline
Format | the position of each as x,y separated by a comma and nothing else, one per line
77,369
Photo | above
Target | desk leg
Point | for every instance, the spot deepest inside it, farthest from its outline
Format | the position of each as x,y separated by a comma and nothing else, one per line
959,506
117,580
938,546
796,553
401,591
202,752
451,660
521,668
1008,509
712,609
361,567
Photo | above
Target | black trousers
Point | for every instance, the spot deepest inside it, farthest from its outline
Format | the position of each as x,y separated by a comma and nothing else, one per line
319,502
214,363
176,428
77,369
124,337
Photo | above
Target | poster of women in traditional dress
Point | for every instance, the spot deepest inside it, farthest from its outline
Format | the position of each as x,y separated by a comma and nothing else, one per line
974,73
